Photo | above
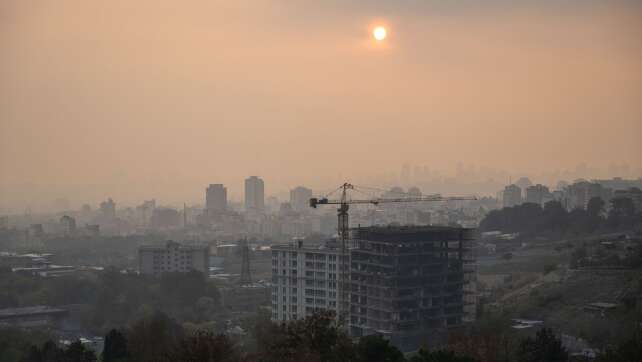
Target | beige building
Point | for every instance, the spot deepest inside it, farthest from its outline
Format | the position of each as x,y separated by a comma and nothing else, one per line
304,280
512,195
173,257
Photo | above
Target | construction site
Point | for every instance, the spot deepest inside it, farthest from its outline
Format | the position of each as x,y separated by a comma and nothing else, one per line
410,284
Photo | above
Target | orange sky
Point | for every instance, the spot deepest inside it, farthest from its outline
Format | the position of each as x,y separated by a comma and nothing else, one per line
142,99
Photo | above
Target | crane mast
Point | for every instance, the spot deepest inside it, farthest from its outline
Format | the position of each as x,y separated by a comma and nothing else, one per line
344,228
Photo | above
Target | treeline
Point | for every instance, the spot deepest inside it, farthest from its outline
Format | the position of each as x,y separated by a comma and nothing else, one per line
314,339
554,219
114,299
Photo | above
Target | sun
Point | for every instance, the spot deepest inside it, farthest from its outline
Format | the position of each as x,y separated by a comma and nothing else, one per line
379,33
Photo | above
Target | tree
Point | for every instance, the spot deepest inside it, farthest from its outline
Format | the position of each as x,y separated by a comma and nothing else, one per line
49,352
376,349
622,213
544,348
16,343
556,217
204,346
183,288
439,356
507,256
595,207
315,338
115,348
629,350
76,352
153,338
594,211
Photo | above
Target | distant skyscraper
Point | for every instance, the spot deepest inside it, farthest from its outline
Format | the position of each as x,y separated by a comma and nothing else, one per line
512,195
523,183
108,209
538,194
215,198
580,193
300,198
254,194
68,225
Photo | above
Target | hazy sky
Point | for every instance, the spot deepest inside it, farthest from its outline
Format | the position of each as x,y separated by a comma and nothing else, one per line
141,99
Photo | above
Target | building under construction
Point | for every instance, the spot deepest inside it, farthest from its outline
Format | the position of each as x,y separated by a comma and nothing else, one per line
410,284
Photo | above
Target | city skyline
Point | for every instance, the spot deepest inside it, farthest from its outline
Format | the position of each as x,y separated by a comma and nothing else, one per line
320,180
462,180
132,99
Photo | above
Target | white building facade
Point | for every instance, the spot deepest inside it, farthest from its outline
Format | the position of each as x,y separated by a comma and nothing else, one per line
305,280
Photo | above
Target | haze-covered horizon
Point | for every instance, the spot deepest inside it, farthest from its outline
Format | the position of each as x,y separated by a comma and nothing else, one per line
153,99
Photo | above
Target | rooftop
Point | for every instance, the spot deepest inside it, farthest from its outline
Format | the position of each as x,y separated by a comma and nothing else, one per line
173,244
412,233
29,311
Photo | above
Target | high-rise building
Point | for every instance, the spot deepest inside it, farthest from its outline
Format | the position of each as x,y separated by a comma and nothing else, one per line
512,195
145,211
173,257
618,183
165,217
410,284
633,193
578,194
254,194
538,194
68,225
300,198
304,280
215,198
108,209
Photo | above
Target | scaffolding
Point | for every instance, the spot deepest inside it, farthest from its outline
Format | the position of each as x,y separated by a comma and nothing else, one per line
410,284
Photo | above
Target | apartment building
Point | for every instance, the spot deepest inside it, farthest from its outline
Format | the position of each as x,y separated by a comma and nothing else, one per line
173,257
305,279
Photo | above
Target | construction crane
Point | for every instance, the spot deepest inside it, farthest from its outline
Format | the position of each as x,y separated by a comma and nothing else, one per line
344,226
